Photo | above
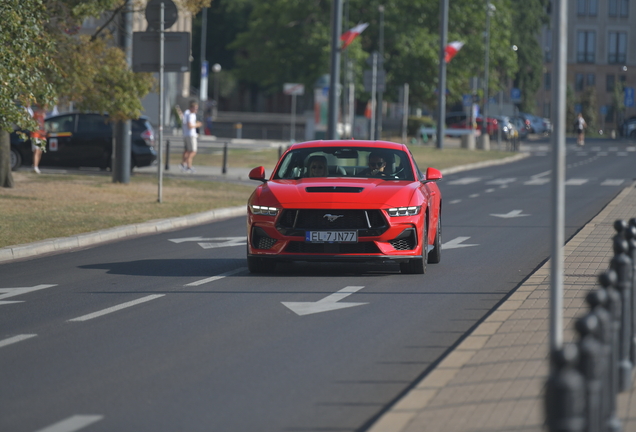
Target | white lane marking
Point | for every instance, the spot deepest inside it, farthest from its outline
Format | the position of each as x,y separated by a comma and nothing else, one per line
326,304
217,277
457,243
465,181
613,182
73,423
455,201
631,149
490,190
596,149
12,292
576,182
116,308
15,339
622,154
537,181
501,181
213,242
474,196
511,214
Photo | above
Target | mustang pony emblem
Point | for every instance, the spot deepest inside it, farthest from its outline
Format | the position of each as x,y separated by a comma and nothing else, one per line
331,217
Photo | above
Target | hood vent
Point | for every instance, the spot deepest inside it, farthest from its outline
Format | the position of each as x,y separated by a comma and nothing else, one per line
341,189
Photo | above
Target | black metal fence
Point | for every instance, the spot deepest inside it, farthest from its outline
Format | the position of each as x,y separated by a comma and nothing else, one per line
587,375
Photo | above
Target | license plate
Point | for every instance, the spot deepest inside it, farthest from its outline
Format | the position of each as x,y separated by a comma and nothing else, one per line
331,236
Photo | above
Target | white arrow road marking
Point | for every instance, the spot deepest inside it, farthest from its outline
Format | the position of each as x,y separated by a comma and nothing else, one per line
613,182
631,149
217,277
327,304
116,308
465,181
12,292
576,182
457,243
15,339
538,179
502,181
218,241
73,423
512,214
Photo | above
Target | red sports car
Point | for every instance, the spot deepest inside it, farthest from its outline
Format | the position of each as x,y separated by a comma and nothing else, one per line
345,201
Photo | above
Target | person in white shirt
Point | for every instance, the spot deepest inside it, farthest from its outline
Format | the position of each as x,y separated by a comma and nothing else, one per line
190,125
580,129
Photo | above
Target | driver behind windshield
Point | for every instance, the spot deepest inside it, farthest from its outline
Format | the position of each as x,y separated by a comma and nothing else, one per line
377,165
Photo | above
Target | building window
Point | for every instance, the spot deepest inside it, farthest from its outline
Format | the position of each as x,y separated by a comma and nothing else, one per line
612,8
547,81
580,7
622,79
617,50
610,83
585,47
624,8
591,80
579,81
593,8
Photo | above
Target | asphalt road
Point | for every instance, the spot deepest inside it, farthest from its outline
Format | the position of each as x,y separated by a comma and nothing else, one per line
170,332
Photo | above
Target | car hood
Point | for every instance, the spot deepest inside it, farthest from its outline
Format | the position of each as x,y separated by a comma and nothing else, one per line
336,193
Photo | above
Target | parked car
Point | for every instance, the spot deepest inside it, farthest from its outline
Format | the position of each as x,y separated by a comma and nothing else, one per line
491,125
630,129
537,126
508,129
523,127
368,203
84,140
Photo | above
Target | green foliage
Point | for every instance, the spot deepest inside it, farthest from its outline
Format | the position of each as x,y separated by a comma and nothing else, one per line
589,107
414,123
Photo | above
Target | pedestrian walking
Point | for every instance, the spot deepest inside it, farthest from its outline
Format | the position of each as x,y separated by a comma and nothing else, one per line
580,126
190,125
38,137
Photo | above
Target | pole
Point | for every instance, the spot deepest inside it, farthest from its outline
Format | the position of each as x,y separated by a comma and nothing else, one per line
374,82
405,111
292,137
203,82
486,67
161,67
441,88
336,24
120,161
378,123
559,47
346,79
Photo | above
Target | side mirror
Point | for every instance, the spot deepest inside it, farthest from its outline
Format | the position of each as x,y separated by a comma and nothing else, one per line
433,174
258,173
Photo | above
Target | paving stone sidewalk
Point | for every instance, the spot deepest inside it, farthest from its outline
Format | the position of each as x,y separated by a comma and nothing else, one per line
494,380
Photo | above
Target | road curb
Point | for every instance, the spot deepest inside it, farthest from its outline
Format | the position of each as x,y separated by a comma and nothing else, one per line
88,239
11,253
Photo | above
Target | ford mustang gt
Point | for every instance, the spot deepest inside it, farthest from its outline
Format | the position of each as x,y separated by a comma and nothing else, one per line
345,201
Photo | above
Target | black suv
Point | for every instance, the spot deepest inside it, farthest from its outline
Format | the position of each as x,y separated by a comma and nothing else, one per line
85,140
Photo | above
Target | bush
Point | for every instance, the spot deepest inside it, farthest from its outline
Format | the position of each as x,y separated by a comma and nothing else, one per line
414,123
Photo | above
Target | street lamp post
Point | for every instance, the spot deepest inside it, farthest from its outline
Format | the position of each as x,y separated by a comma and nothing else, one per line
490,9
216,68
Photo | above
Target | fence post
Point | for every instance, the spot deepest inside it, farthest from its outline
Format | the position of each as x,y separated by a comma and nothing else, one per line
224,169
167,167
564,397
622,265
591,365
613,306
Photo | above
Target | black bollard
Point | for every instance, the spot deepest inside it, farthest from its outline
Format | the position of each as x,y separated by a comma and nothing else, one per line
591,365
167,167
280,151
597,300
224,170
613,306
630,235
565,392
622,266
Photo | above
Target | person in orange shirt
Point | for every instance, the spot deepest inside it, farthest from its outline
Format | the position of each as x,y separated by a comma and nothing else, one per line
37,137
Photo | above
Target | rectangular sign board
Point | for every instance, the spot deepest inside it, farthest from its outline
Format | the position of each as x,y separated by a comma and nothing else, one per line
176,56
293,89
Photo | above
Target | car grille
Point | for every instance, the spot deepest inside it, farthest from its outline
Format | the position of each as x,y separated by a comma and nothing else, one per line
332,248
367,222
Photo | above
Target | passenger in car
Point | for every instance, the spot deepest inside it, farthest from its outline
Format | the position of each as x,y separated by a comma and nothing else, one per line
317,166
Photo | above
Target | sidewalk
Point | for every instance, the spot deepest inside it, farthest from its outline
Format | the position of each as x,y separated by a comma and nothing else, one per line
494,379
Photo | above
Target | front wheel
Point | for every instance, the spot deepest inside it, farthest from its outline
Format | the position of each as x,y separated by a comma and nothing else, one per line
418,265
16,160
435,256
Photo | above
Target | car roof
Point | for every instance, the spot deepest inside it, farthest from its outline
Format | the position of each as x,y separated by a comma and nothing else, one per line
349,143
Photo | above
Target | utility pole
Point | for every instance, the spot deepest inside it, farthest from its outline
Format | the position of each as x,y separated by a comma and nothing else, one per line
120,161
336,24
203,83
378,123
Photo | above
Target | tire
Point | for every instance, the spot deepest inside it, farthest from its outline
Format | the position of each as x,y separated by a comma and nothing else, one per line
435,255
260,265
418,265
16,160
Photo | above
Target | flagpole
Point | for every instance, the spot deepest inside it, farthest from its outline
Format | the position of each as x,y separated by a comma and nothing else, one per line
336,24
441,97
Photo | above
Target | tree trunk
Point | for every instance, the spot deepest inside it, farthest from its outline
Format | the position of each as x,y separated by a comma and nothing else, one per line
6,179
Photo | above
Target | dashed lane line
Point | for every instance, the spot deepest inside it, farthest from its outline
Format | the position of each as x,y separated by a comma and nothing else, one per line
117,308
73,423
217,277
15,339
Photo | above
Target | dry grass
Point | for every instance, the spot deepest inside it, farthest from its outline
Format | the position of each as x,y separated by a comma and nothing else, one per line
49,206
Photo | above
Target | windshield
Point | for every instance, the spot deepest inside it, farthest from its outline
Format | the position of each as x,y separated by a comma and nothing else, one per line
345,162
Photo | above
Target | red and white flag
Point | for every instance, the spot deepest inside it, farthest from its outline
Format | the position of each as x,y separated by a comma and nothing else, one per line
348,36
452,49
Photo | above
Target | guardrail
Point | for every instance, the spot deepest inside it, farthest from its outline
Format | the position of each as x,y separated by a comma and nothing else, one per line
587,375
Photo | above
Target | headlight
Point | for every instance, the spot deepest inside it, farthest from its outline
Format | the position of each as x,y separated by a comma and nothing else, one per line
264,210
404,211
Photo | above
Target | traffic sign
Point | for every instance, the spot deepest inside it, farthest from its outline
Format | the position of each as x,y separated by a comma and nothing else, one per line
293,89
467,100
153,14
629,97
515,95
380,60
146,52
380,80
